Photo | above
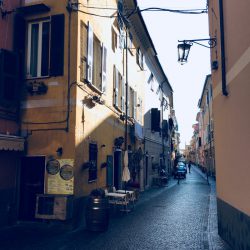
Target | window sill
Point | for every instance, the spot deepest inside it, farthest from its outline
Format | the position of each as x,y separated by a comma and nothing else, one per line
92,181
37,78
93,87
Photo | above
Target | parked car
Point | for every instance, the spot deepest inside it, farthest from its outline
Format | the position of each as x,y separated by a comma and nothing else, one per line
180,172
182,164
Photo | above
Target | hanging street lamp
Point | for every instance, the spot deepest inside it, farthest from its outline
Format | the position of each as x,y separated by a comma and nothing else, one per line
185,45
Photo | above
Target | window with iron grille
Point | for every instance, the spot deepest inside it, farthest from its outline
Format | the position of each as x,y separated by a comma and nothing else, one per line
93,160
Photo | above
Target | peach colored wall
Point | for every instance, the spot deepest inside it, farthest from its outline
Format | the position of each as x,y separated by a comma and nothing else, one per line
231,114
6,24
6,42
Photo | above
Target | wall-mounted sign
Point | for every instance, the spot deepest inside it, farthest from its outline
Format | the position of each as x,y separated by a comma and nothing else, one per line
66,172
63,181
53,167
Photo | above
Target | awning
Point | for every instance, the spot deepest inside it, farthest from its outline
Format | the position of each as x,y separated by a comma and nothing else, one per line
34,9
13,143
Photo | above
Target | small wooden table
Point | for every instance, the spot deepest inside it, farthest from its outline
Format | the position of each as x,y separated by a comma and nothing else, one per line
119,199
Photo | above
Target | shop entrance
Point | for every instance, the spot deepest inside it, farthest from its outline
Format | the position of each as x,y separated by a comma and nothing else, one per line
31,184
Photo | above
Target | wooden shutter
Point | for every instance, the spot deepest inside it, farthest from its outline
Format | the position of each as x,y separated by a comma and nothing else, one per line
141,114
84,51
155,120
165,129
90,54
109,171
135,104
19,43
104,68
8,77
116,86
123,95
57,45
128,101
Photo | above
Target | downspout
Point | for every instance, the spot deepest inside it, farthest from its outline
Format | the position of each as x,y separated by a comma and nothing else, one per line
68,94
222,44
126,94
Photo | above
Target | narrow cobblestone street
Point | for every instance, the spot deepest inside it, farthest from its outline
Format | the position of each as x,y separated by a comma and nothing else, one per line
175,217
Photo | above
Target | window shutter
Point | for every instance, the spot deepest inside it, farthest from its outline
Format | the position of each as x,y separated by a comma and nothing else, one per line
116,86
128,101
123,95
109,171
90,54
135,105
19,42
155,120
57,45
84,51
141,114
104,68
8,77
165,129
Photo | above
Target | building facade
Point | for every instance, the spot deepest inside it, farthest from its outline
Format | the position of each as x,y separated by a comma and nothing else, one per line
228,22
83,103
11,143
206,138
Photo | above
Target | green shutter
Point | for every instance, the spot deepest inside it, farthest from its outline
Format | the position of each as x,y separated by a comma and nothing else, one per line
57,45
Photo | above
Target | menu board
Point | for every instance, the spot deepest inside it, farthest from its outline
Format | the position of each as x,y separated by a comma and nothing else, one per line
61,182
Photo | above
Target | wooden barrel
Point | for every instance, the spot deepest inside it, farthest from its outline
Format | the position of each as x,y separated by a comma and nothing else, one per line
97,214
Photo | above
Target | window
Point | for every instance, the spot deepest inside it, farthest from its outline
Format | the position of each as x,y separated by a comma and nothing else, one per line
45,50
93,162
151,81
119,90
207,96
211,91
114,40
140,116
38,49
93,59
130,44
139,58
132,104
97,66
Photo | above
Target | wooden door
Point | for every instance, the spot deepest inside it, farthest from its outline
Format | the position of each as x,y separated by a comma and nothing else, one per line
31,184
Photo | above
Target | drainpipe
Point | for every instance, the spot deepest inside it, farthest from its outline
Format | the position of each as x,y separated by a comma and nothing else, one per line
126,94
69,76
222,44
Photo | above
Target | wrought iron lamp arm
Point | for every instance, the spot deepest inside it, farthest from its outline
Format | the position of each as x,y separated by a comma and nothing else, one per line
211,42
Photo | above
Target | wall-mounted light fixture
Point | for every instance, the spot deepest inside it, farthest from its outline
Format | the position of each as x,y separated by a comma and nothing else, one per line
59,151
185,45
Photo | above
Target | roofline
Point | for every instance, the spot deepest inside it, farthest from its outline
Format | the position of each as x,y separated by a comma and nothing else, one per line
152,44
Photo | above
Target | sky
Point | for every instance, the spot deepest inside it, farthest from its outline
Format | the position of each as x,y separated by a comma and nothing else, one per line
187,80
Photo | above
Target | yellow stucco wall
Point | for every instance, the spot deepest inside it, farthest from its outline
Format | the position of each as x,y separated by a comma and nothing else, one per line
50,109
231,113
98,123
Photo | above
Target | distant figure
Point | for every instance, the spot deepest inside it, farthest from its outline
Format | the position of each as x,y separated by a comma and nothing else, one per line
189,166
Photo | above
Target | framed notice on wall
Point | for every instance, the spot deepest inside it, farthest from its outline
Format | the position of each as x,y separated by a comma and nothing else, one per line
60,180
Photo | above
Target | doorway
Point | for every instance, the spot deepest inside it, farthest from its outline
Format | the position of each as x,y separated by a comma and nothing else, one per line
31,184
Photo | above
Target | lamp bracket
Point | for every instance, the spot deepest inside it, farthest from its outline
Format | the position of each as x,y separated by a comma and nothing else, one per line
211,42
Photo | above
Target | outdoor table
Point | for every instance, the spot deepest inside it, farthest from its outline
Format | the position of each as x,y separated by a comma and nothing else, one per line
131,195
119,199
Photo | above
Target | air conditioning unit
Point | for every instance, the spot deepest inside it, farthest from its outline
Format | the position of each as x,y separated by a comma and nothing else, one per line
54,207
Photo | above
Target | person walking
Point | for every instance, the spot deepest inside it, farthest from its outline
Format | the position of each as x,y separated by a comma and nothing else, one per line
189,167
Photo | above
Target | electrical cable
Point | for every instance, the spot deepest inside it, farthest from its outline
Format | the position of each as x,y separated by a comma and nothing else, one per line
93,14
98,8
